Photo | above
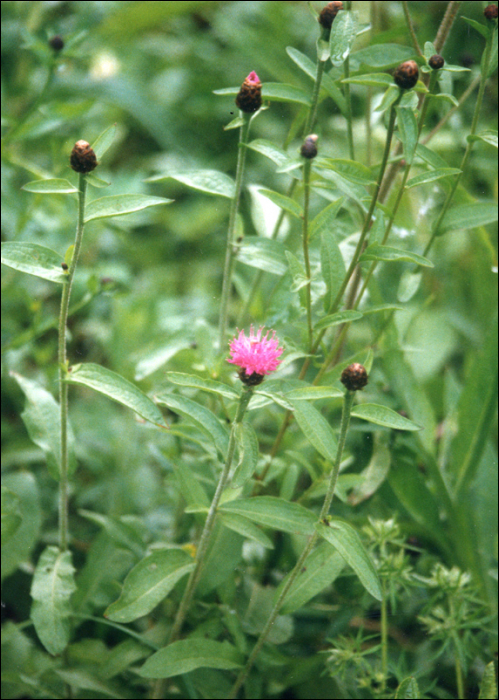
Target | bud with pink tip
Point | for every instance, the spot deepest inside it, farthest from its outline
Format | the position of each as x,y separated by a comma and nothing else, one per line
249,97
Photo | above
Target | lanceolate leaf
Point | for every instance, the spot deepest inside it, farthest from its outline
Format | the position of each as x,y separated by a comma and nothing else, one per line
209,385
148,583
273,512
284,202
11,514
50,186
34,259
332,267
121,204
264,254
408,690
408,130
386,253
189,654
469,216
316,429
381,415
346,540
209,181
431,176
246,528
53,584
117,388
342,36
247,442
337,319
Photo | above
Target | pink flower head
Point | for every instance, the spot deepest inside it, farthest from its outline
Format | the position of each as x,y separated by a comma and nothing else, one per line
256,354
253,77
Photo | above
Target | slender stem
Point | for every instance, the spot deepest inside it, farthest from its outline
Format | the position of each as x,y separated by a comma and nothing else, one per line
312,115
410,25
469,147
307,166
446,24
469,90
384,638
348,99
229,251
62,358
345,421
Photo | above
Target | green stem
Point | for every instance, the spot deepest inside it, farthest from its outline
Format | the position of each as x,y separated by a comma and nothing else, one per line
410,26
345,421
229,251
62,358
307,166
348,99
312,115
384,638
469,147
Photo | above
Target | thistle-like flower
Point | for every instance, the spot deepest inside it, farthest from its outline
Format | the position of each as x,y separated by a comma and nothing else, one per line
256,355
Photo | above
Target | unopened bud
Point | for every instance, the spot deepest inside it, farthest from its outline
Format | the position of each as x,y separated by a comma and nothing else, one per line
436,62
309,147
56,43
249,97
64,266
406,75
83,158
354,377
490,12
250,379
328,14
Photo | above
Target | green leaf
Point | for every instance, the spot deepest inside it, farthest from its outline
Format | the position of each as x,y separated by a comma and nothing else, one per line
117,388
346,540
269,150
119,530
34,259
284,202
324,220
302,61
53,584
11,514
375,473
264,254
300,280
408,131
444,97
190,486
202,417
488,686
385,253
275,513
246,528
20,546
408,689
187,655
349,169
382,55
371,80
316,429
42,418
121,204
337,319
148,583
322,567
104,141
342,36
431,176
314,393
50,186
381,415
277,397
280,92
332,268
209,385
247,443
481,28
153,359
209,181
488,136
469,216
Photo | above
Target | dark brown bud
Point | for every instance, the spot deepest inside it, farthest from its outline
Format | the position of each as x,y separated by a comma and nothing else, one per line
406,75
56,43
251,379
309,147
64,266
354,377
249,97
436,62
83,158
328,14
490,12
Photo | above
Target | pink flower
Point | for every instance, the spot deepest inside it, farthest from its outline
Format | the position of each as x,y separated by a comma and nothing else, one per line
256,354
253,77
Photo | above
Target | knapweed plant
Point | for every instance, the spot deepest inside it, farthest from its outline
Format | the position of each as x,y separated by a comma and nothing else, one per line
302,500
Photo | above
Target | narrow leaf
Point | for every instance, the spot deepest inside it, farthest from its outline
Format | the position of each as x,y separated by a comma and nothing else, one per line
117,388
488,686
346,540
408,690
189,654
273,512
408,131
280,92
300,280
269,150
202,417
247,442
190,487
469,216
284,202
371,80
302,61
264,254
316,429
50,186
385,253
53,584
342,36
431,176
209,385
34,259
104,141
313,393
148,583
349,169
11,514
381,415
121,204
246,528
153,359
209,181
337,319
332,268
325,219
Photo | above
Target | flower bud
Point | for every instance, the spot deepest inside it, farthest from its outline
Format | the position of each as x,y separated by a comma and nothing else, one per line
56,43
250,379
249,97
83,158
406,75
328,14
436,62
354,377
309,147
64,266
490,12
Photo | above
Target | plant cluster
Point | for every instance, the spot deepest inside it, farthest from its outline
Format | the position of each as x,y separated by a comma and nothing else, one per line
305,526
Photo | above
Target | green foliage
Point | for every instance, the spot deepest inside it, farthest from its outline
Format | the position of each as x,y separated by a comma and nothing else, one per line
189,528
